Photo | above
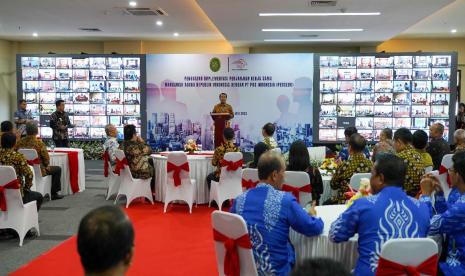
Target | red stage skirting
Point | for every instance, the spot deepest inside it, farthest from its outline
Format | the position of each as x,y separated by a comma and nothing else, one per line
175,243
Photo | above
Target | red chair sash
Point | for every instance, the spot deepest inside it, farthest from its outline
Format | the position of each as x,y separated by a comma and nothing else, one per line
106,159
231,166
443,170
34,162
120,165
13,184
296,190
177,171
389,268
231,258
249,183
73,161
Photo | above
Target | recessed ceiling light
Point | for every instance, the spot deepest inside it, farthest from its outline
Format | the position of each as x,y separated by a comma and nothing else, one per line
133,3
35,34
319,14
176,34
309,40
453,30
312,30
159,23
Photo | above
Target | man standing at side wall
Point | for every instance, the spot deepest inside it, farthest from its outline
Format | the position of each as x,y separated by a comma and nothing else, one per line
59,123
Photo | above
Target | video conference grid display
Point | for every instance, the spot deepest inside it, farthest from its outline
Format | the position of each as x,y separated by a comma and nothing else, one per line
373,93
96,91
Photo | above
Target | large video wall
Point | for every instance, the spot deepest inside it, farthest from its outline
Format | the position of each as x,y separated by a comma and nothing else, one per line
97,90
373,92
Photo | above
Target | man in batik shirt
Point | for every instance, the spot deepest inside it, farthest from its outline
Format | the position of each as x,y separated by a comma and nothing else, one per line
137,153
387,214
270,213
9,157
449,219
403,140
357,163
223,107
227,146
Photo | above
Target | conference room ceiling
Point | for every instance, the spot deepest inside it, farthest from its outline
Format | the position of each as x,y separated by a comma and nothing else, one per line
61,19
239,22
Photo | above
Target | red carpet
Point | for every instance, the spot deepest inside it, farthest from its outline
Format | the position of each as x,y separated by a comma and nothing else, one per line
175,243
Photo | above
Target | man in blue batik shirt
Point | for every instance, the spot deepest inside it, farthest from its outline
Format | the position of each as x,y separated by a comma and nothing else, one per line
344,153
269,213
449,218
22,117
388,214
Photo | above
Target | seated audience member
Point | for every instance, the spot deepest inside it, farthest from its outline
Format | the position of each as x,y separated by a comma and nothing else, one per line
269,213
385,144
105,241
387,214
30,141
320,267
450,217
137,153
7,127
403,139
344,153
438,147
227,146
259,149
459,140
268,132
357,163
420,141
9,157
299,160
111,143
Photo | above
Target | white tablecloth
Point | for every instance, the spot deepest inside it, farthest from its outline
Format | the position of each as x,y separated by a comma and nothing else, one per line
199,166
61,159
327,192
321,246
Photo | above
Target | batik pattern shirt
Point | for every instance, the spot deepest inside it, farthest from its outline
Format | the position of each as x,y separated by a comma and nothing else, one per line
138,154
390,214
223,108
450,220
9,157
220,151
110,146
269,214
415,169
31,142
20,118
357,163
270,142
59,123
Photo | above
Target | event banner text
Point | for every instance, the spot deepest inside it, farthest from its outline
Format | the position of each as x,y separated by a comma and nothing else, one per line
228,81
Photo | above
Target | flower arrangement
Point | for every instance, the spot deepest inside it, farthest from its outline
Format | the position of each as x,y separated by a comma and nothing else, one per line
329,165
191,146
363,191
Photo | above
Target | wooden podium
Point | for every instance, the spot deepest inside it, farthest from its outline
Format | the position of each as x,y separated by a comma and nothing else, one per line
220,120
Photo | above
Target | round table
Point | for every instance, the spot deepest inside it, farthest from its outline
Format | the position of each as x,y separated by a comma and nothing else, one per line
60,159
321,246
65,178
200,165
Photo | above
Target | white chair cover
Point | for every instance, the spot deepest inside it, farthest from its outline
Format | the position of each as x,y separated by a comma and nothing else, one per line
230,184
446,163
409,251
232,226
19,217
317,153
428,169
185,191
299,179
355,179
130,187
250,175
43,184
114,181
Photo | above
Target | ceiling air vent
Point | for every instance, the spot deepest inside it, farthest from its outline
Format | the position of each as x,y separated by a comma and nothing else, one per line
144,12
91,30
308,35
323,3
